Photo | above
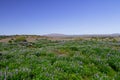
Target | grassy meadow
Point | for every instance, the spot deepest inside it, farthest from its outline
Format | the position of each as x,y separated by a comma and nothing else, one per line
95,58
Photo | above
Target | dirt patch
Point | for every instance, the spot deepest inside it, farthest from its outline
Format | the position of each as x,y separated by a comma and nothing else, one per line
5,40
34,38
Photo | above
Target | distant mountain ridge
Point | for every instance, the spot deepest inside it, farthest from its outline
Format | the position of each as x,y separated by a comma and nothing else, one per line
55,35
70,35
83,35
116,34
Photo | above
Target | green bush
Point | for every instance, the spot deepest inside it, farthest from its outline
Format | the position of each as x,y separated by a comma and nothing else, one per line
20,39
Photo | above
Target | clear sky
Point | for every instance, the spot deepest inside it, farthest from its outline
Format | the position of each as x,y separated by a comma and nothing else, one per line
59,16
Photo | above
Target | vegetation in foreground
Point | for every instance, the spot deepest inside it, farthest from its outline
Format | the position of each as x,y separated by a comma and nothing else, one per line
60,60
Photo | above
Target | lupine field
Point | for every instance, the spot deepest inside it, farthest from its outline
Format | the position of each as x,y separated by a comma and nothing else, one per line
60,60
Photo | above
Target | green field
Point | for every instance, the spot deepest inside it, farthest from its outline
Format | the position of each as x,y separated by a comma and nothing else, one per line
60,60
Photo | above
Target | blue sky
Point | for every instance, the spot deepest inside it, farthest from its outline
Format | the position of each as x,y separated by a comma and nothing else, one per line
59,16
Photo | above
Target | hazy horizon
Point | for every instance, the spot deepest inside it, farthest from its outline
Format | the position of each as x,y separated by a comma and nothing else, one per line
71,17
